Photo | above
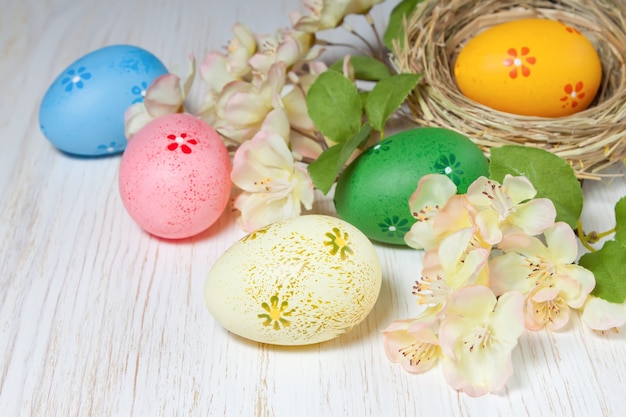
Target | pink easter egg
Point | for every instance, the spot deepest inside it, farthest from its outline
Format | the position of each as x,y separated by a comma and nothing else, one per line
174,177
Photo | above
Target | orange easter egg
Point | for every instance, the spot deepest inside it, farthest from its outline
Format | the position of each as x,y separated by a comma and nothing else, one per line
531,67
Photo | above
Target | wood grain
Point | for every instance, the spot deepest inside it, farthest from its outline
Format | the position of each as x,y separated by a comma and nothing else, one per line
99,319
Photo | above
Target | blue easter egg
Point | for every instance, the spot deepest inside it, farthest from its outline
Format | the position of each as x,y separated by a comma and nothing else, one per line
82,113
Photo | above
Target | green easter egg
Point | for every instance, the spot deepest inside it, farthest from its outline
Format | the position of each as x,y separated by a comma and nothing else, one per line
373,192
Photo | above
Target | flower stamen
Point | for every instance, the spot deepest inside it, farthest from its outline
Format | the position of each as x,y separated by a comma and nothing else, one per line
264,184
418,352
547,310
481,338
541,271
426,213
500,200
429,290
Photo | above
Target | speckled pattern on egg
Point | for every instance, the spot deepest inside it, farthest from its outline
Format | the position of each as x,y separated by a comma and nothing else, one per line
174,176
300,281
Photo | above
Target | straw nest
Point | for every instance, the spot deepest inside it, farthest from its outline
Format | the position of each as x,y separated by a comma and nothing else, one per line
591,140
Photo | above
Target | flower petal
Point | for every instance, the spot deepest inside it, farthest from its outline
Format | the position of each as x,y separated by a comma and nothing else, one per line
600,314
214,71
545,307
561,240
453,248
277,122
417,350
519,188
488,223
508,320
258,210
304,190
479,374
273,85
509,272
265,156
288,51
583,277
475,192
304,147
240,49
544,294
421,236
324,15
460,263
523,244
164,95
189,77
361,6
274,187
397,325
433,191
135,117
294,102
475,302
242,107
534,216
477,337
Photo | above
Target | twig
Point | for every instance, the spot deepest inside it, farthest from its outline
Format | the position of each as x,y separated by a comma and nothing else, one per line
381,48
323,42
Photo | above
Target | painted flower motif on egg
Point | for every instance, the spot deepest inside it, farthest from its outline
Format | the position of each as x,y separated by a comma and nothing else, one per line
75,78
82,112
181,140
519,62
531,67
303,280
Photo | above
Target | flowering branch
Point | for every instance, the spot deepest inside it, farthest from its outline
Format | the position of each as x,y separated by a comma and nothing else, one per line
263,83
481,247
500,239
498,259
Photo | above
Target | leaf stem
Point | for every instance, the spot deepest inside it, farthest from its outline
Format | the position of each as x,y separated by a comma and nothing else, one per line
599,236
588,238
583,237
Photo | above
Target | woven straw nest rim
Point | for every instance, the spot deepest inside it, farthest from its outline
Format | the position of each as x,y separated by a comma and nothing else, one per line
591,140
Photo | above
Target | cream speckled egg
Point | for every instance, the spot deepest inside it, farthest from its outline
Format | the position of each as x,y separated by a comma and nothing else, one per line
303,280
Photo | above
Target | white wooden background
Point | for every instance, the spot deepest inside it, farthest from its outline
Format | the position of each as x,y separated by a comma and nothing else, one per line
99,319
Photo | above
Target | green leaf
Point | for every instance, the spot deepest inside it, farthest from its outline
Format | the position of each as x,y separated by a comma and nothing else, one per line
334,105
326,167
363,96
350,146
387,96
365,68
323,171
395,28
551,175
620,221
607,265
